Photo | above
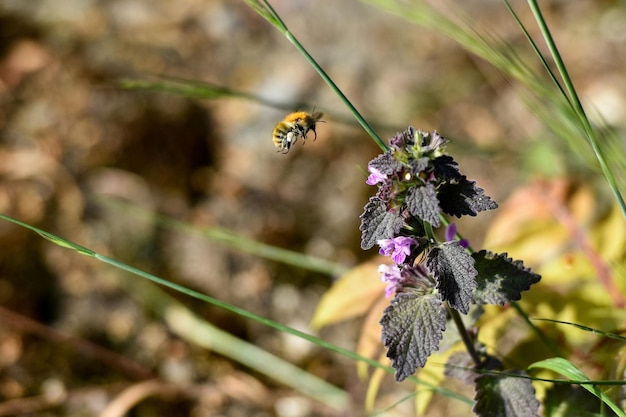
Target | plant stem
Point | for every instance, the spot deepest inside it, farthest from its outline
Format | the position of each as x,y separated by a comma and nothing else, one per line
577,106
467,341
270,14
428,229
359,118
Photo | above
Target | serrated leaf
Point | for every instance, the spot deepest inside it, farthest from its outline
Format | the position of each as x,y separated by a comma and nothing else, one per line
422,202
505,396
446,168
460,366
454,271
566,368
351,295
412,327
378,223
463,197
386,164
500,279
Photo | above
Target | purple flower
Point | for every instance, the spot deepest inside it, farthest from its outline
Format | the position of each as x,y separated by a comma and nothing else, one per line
398,247
450,232
390,274
406,278
375,176
450,235
403,139
432,141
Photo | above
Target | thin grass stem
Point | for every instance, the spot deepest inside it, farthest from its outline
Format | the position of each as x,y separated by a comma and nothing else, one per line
232,239
577,106
226,306
267,11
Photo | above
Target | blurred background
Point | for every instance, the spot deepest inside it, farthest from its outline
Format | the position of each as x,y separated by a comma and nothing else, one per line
72,141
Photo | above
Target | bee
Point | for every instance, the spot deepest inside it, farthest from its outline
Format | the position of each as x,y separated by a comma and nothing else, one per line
294,126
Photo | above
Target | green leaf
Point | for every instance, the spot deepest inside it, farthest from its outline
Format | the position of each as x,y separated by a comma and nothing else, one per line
566,368
500,279
454,271
561,366
505,396
569,400
413,325
422,203
378,223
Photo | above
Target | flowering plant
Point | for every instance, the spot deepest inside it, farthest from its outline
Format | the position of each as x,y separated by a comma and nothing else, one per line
434,280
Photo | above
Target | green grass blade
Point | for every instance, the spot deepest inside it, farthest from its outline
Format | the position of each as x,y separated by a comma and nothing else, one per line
52,238
188,88
555,110
194,329
264,8
198,89
584,381
578,108
587,329
226,306
540,334
208,91
566,368
231,239
267,13
538,53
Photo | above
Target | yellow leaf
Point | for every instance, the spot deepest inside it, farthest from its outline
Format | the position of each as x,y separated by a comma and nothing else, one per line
351,295
372,389
610,233
369,344
432,373
562,231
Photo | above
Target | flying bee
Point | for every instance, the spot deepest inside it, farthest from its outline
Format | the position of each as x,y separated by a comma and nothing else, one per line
294,126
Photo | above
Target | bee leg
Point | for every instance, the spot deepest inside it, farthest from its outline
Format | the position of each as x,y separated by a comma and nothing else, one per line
292,138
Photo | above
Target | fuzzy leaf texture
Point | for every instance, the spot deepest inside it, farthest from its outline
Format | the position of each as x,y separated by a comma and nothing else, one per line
422,203
505,396
386,164
413,325
454,271
500,279
378,223
460,365
462,197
